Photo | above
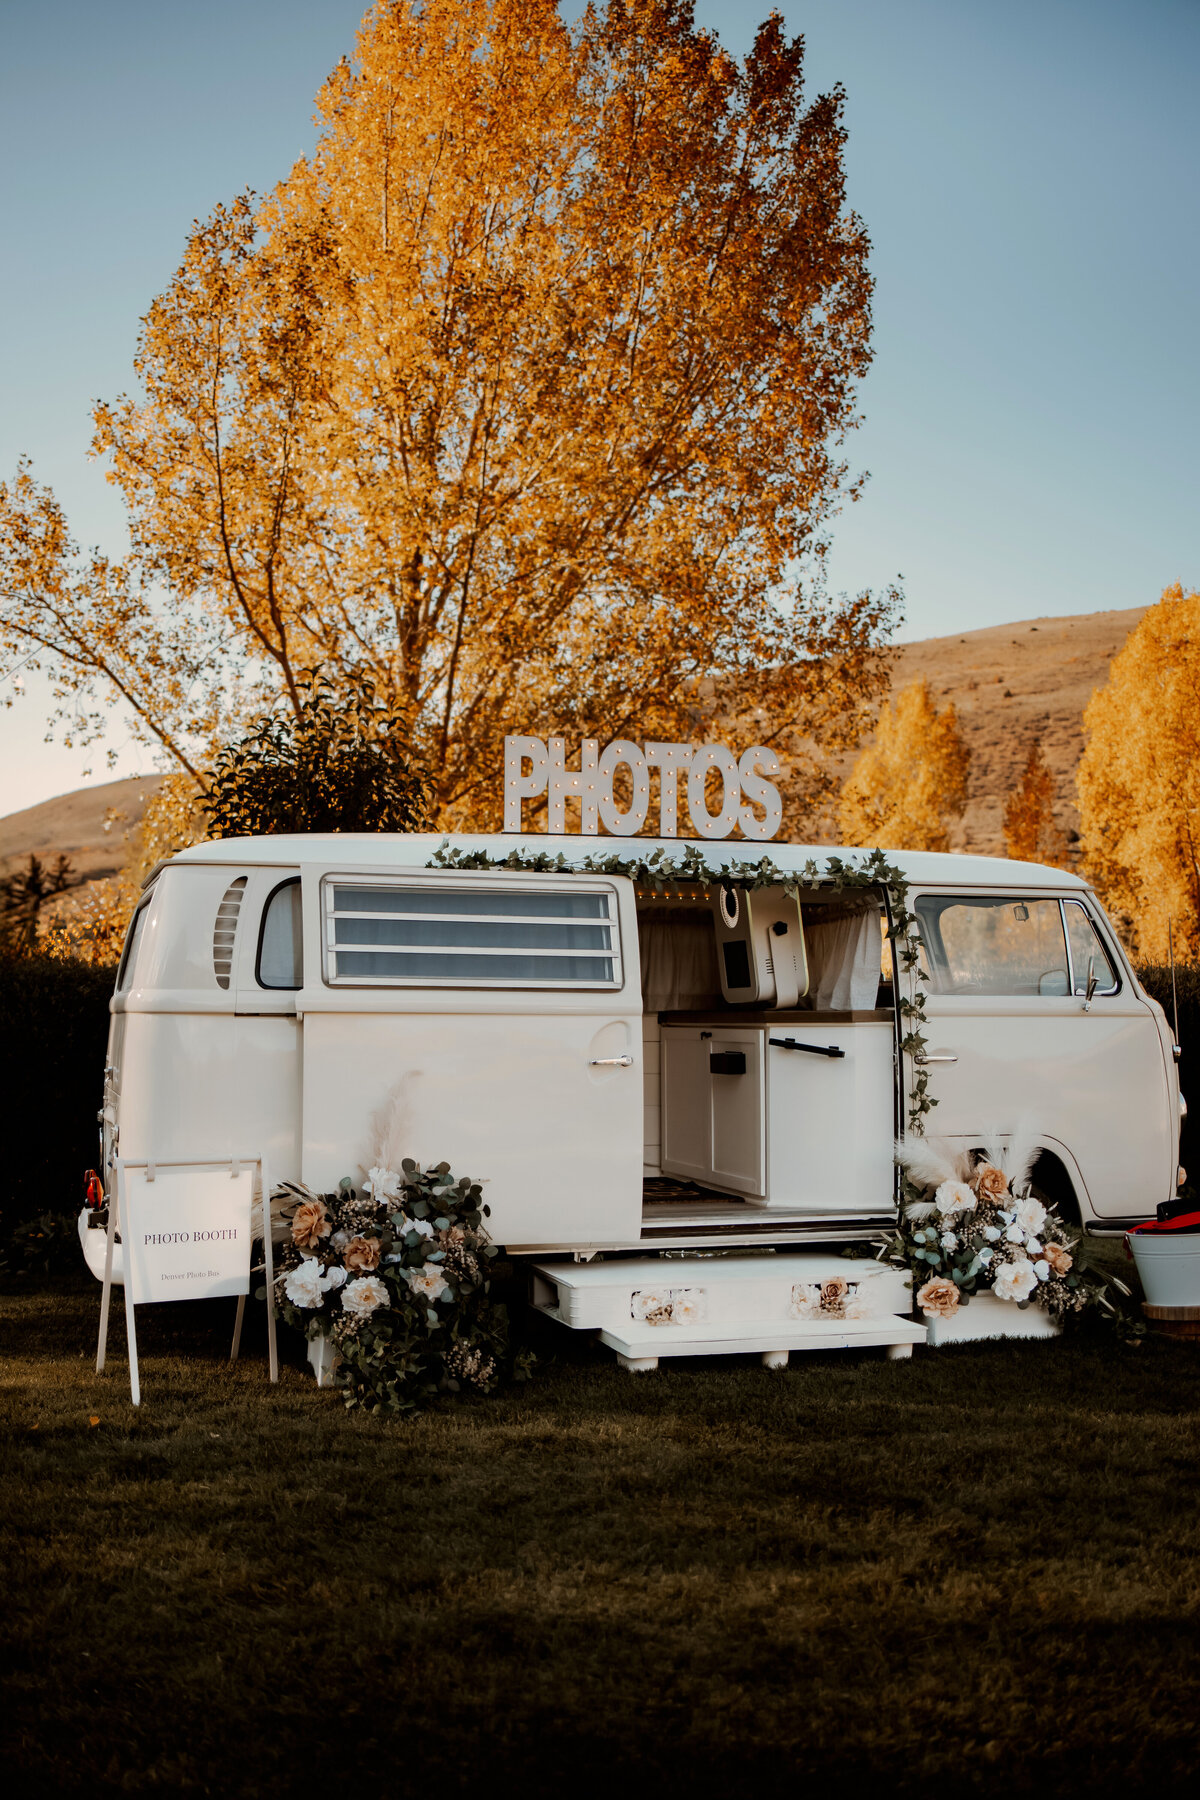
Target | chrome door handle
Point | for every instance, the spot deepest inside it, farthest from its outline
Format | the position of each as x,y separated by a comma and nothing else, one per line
611,1062
920,1060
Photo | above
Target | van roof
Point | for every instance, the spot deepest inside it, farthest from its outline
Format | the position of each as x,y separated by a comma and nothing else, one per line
413,850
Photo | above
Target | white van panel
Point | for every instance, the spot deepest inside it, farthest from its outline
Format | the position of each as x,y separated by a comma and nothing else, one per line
1095,1082
203,1085
512,1100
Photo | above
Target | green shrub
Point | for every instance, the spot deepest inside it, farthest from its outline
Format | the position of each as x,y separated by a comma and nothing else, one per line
344,763
45,1246
53,1037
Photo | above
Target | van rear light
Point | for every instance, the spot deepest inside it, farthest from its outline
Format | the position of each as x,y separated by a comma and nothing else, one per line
225,930
1180,1176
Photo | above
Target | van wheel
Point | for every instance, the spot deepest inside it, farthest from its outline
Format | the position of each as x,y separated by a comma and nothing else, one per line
1051,1184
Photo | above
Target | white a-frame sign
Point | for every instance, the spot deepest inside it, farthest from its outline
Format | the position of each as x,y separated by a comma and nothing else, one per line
186,1234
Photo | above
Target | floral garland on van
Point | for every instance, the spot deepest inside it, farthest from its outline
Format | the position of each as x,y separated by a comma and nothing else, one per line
970,1223
397,1279
660,870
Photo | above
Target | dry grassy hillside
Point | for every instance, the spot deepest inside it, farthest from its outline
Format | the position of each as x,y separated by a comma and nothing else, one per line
74,825
1010,684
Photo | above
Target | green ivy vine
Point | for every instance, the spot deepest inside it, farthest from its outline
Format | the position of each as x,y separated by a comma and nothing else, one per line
660,869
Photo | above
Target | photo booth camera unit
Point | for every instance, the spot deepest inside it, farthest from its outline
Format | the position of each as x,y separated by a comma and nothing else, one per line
760,947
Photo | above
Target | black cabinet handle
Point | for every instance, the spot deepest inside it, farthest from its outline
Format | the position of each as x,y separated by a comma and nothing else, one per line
811,1049
727,1062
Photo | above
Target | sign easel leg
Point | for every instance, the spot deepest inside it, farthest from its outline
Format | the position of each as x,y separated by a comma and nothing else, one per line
237,1328
269,1267
135,1391
106,1292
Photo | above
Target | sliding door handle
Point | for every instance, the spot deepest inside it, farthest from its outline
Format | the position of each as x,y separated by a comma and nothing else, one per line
611,1062
922,1060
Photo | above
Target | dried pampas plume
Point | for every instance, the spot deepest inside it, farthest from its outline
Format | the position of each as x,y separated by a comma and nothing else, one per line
928,1161
391,1130
1013,1151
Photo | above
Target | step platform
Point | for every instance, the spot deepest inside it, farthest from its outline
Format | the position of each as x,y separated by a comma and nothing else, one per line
645,1308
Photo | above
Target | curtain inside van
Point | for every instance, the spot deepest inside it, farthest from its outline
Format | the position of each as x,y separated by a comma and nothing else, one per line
843,944
679,959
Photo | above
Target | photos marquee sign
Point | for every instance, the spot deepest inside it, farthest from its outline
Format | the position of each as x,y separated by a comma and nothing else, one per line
748,798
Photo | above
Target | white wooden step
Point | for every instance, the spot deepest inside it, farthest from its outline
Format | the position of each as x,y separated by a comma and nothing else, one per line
648,1307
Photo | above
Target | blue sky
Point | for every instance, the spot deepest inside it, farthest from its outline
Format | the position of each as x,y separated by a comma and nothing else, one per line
1028,173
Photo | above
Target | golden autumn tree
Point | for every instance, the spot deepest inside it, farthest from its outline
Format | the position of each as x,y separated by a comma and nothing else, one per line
521,397
1030,831
1139,779
908,787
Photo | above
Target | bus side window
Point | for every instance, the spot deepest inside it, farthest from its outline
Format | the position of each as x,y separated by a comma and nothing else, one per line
280,944
128,966
1086,948
994,944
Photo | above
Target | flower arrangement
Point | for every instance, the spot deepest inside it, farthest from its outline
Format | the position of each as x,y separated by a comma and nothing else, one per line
970,1223
669,1306
833,1298
397,1278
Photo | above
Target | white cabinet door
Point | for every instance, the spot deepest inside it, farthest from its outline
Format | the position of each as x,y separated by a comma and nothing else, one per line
687,1104
737,1110
713,1112
830,1118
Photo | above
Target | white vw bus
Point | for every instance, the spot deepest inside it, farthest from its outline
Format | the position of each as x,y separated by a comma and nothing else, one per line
634,1074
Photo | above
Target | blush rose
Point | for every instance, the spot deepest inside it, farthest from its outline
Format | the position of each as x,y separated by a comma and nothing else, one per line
938,1299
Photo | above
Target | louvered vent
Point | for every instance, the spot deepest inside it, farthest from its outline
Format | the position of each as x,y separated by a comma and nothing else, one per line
225,930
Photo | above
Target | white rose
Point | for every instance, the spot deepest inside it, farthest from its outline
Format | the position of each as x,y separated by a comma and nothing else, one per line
1031,1215
991,1233
427,1281
954,1197
1041,1269
647,1301
687,1306
382,1183
806,1301
304,1286
948,1241
1015,1235
1014,1281
333,1278
422,1227
364,1295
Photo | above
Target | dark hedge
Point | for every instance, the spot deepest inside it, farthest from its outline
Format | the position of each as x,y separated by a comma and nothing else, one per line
1156,979
53,1037
54,1031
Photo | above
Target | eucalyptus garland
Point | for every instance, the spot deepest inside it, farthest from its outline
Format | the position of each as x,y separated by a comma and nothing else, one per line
660,870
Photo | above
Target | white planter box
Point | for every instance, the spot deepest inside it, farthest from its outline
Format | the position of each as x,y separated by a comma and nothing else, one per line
1168,1263
987,1317
324,1359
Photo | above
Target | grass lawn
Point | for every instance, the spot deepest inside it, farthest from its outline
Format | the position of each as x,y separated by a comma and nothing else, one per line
976,1572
